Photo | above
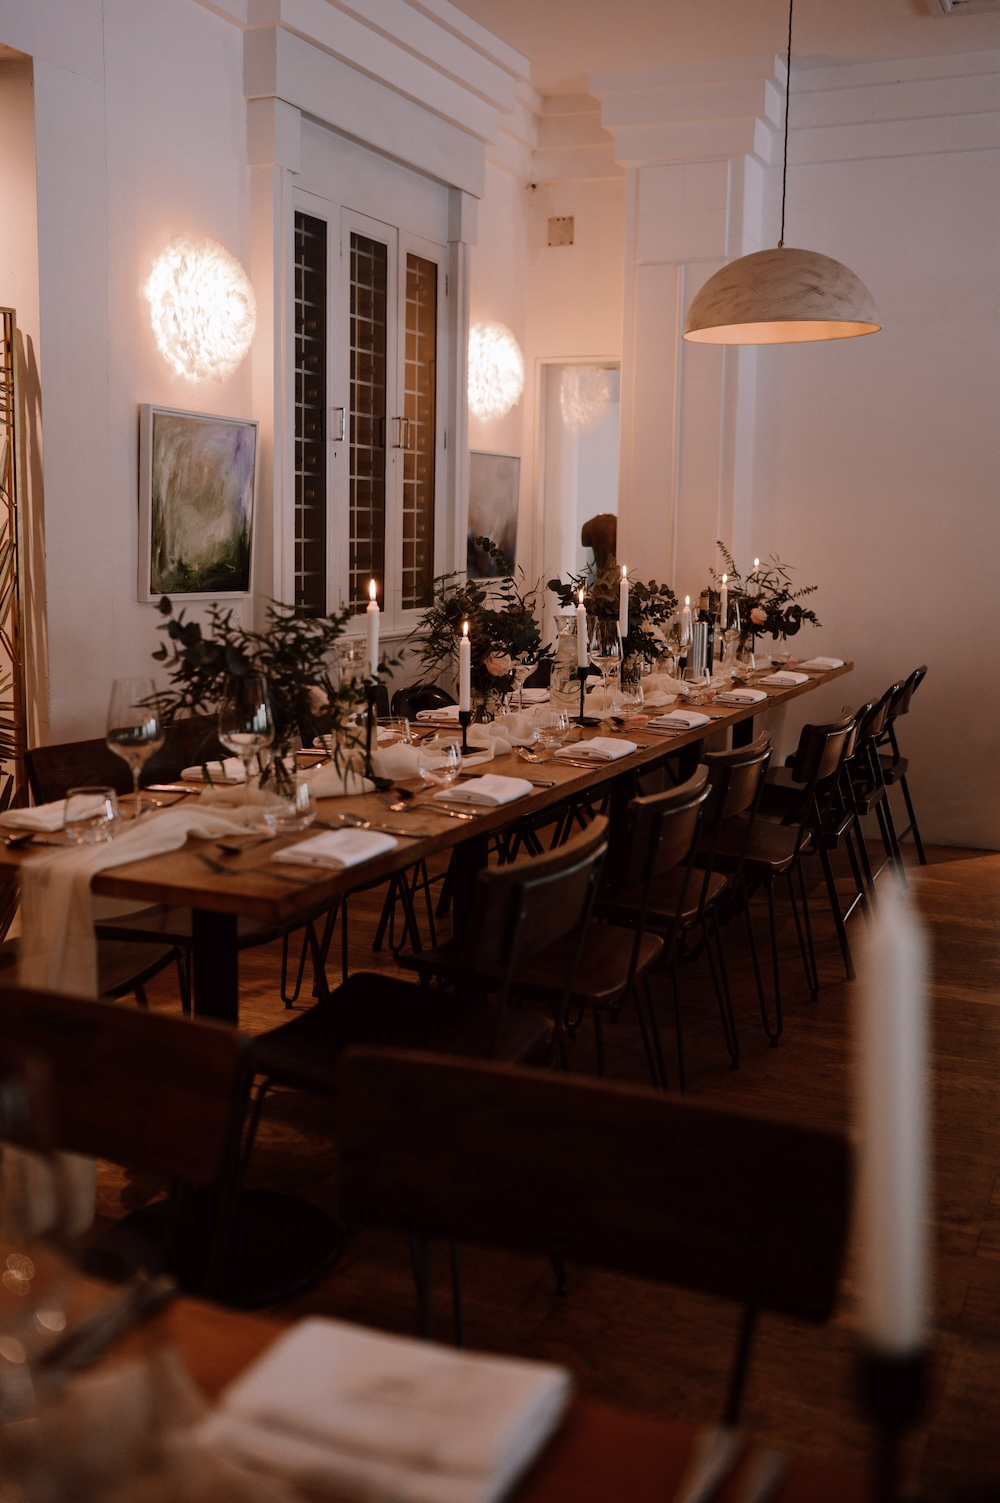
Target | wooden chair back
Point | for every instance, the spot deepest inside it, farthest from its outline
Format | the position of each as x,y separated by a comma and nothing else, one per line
820,750
146,1089
534,901
910,686
52,770
658,833
615,1176
408,702
735,779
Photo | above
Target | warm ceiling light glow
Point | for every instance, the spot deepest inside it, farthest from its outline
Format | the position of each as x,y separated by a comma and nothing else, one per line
202,308
496,370
584,396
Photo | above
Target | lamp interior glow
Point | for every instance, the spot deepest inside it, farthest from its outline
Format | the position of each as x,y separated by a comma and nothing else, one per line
202,308
496,370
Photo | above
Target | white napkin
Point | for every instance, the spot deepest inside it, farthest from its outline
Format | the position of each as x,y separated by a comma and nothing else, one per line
598,749
443,712
741,697
57,951
45,818
354,1414
535,696
679,720
785,678
337,848
490,790
517,728
398,762
230,770
331,781
823,663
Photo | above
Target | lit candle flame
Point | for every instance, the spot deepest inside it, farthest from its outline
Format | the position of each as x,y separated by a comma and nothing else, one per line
465,628
371,590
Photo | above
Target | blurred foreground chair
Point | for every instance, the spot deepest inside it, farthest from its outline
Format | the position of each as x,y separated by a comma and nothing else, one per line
619,1177
146,1091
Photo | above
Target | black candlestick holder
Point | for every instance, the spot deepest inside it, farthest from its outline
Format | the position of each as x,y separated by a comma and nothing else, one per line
371,721
465,720
892,1393
583,719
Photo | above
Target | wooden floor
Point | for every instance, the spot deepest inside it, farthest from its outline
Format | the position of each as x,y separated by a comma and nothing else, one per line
660,1351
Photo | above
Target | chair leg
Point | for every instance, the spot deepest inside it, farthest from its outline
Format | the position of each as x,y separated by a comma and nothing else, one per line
678,1025
913,829
656,1072
838,917
420,1258
803,930
458,1310
774,1033
720,984
599,1041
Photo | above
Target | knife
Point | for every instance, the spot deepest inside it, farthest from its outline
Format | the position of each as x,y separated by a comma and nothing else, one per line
91,1336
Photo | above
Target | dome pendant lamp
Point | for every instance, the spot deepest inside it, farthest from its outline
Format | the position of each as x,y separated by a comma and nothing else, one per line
781,296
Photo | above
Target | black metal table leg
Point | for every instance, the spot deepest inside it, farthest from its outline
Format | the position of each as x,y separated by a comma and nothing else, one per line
215,964
743,732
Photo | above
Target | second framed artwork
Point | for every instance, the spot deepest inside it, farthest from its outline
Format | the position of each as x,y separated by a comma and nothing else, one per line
493,493
197,477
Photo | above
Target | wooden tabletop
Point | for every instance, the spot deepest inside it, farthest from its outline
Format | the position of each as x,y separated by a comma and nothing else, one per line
250,886
599,1454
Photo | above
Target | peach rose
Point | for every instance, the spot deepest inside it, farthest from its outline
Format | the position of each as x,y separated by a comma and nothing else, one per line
498,664
758,615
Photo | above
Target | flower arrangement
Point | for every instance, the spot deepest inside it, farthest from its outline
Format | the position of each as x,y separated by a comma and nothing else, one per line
769,603
292,652
650,606
502,625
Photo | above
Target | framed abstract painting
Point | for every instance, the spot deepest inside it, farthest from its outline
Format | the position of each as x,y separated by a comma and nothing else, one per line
197,476
493,493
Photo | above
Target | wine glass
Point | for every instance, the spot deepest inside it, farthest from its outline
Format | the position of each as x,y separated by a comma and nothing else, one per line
246,721
549,727
523,669
439,763
604,648
134,728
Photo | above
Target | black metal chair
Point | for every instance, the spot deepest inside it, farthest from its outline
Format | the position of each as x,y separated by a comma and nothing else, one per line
894,764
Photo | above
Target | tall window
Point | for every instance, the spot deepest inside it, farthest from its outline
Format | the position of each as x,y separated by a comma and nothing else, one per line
368,484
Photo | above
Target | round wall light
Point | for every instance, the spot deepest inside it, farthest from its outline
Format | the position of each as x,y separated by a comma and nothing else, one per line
202,309
584,396
496,370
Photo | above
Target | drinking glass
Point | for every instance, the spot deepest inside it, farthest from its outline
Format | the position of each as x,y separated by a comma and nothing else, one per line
604,648
550,727
523,669
439,763
134,728
90,814
678,643
284,815
246,722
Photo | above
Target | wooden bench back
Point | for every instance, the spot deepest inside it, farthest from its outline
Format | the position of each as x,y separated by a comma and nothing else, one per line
615,1176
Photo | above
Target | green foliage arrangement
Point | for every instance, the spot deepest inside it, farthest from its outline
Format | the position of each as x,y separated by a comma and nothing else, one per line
650,606
771,604
294,653
502,625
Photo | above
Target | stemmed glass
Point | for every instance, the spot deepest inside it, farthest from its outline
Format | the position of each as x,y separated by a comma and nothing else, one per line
678,646
246,721
134,728
604,648
523,669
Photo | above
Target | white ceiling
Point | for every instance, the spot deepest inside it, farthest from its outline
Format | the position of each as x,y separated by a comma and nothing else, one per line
566,40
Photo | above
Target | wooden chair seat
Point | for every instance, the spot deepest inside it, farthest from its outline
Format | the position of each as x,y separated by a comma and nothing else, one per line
674,897
602,975
770,847
122,966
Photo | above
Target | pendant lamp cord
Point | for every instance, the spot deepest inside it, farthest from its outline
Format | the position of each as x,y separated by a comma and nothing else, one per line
788,83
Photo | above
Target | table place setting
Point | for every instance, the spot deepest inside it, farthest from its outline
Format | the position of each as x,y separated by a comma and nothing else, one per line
822,665
489,791
675,721
348,1413
597,749
784,678
740,697
338,849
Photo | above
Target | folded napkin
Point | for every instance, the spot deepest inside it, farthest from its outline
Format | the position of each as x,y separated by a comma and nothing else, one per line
516,728
442,712
823,663
331,781
785,678
535,696
490,790
353,1414
337,848
397,762
45,818
598,749
230,770
678,720
741,697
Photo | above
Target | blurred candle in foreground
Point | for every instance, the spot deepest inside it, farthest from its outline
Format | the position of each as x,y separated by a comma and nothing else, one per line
465,669
891,1108
686,620
623,604
581,634
371,621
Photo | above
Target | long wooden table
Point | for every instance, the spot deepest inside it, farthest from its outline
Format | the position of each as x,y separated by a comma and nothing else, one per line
252,887
600,1453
